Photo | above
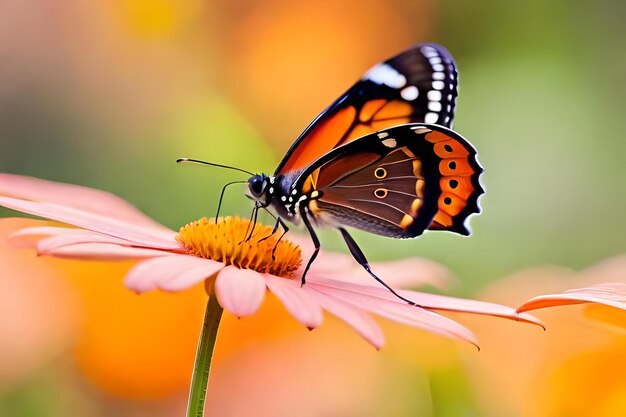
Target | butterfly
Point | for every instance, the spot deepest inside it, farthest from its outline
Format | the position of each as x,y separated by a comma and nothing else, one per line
382,158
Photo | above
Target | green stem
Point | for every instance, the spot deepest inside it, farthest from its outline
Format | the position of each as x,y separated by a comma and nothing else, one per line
204,354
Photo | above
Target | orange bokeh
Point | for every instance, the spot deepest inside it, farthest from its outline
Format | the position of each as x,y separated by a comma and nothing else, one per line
37,311
282,83
575,368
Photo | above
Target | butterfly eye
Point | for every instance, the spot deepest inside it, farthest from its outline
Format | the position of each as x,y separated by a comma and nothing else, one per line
256,185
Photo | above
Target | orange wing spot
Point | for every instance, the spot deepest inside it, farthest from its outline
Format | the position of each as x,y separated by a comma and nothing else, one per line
315,209
407,152
309,183
434,137
406,221
417,168
451,204
419,188
382,124
370,108
455,167
443,219
460,186
394,110
450,149
322,139
416,205
436,226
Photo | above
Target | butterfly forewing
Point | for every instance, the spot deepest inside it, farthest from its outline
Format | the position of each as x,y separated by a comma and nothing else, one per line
397,182
418,85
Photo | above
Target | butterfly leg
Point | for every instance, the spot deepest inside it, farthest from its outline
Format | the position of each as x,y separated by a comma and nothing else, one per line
316,243
252,220
279,222
255,212
360,258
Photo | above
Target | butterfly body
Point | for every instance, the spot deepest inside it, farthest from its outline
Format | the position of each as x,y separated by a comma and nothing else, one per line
382,158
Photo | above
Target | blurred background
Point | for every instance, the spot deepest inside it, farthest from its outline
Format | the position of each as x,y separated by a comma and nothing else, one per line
108,94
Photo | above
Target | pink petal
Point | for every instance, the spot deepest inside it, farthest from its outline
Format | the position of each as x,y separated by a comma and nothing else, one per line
362,323
613,295
463,305
437,302
170,273
296,300
48,231
138,235
399,311
55,242
102,252
30,236
240,291
76,196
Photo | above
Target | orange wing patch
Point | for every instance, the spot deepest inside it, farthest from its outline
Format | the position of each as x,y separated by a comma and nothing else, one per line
370,108
344,127
377,115
321,139
393,110
456,183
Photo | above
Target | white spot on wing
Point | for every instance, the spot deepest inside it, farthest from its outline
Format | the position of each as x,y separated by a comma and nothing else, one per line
434,95
439,76
431,117
385,74
390,143
409,93
434,106
383,135
421,130
438,85
429,51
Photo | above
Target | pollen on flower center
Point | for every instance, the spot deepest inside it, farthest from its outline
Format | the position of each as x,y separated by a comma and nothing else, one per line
225,241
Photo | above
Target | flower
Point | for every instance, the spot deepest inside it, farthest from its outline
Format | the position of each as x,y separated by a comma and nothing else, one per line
237,270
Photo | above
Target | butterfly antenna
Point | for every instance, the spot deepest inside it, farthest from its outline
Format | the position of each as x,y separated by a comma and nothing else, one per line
197,161
219,205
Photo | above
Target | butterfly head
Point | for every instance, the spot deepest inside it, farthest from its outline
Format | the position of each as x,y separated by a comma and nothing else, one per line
258,186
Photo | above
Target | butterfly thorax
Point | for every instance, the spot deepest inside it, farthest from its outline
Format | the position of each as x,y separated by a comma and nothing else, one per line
277,194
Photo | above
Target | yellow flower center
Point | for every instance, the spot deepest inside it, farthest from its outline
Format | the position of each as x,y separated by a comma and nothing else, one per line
226,241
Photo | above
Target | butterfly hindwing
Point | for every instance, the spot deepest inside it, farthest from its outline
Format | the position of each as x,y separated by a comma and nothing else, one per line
397,182
418,85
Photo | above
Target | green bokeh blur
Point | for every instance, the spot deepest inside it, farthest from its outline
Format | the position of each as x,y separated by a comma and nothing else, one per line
92,98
